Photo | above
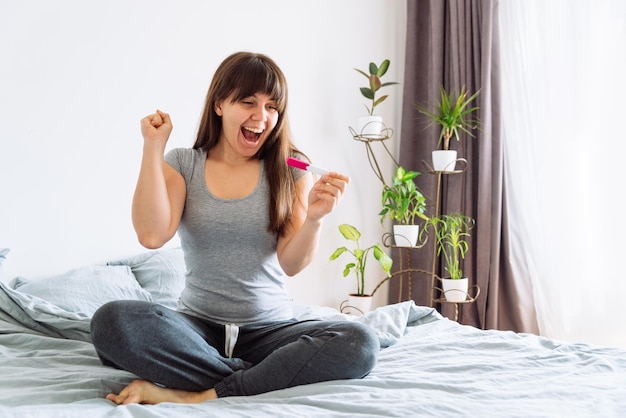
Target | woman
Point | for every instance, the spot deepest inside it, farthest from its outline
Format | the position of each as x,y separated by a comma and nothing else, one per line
245,220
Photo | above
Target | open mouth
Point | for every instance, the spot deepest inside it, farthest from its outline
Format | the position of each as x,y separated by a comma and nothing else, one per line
251,134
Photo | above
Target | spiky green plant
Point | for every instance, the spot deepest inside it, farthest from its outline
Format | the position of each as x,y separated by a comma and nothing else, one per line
453,113
452,232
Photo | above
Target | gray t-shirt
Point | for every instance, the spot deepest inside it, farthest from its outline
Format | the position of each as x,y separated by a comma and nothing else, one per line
233,274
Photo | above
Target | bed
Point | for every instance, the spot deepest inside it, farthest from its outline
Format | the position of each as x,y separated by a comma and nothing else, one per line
428,365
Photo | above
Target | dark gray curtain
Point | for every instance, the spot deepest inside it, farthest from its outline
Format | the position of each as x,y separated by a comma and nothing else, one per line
453,43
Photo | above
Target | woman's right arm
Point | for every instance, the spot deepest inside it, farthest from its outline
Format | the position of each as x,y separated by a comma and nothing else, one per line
160,193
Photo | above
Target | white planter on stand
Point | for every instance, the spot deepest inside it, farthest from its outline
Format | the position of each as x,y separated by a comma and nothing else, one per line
370,126
455,290
444,160
406,235
359,305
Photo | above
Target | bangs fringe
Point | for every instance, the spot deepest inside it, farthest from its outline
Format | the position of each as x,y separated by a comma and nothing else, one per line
259,77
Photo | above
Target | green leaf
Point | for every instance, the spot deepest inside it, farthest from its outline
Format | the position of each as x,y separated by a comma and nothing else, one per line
346,270
373,69
349,232
380,100
384,66
362,72
409,175
367,93
385,261
337,253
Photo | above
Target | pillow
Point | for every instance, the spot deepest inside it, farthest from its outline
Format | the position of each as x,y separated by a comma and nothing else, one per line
160,272
82,290
36,314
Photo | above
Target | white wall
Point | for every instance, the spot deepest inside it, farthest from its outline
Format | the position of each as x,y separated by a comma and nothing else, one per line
76,77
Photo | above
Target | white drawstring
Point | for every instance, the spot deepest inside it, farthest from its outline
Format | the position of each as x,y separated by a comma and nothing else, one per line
231,332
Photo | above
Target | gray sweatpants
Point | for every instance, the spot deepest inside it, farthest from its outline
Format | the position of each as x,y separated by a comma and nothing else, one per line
179,351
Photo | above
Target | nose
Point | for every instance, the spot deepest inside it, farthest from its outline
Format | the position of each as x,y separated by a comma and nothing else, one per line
259,113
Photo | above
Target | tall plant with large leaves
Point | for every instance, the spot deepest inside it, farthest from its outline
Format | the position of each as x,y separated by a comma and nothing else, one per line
350,233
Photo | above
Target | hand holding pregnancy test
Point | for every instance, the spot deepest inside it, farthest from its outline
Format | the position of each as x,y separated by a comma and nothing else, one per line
326,192
303,165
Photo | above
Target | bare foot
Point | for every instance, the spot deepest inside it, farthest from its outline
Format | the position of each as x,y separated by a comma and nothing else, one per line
142,391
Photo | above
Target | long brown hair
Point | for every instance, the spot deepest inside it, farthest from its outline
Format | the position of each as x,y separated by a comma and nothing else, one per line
246,74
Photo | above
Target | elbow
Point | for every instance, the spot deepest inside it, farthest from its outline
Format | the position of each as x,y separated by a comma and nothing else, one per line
150,241
292,270
292,266
290,273
153,237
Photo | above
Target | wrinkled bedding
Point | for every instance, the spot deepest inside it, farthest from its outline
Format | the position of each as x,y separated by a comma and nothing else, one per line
428,366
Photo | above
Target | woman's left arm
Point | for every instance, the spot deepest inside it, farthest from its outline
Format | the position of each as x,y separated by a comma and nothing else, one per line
297,248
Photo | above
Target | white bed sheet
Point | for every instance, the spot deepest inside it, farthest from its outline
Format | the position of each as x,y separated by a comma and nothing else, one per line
430,366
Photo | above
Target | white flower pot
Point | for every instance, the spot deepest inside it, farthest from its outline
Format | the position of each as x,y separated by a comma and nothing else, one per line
370,126
406,235
444,160
359,304
455,290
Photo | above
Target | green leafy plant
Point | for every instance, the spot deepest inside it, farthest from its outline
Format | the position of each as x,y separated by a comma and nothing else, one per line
375,73
402,201
453,113
360,255
452,232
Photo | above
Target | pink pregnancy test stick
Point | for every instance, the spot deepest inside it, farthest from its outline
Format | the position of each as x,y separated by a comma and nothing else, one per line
303,165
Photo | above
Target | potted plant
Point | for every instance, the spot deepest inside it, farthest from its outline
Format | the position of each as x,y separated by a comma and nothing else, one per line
370,126
360,299
452,232
402,202
453,113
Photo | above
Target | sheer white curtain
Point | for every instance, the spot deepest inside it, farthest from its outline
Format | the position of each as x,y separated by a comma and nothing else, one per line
564,124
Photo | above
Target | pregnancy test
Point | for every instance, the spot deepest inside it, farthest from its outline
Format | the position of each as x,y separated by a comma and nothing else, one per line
303,165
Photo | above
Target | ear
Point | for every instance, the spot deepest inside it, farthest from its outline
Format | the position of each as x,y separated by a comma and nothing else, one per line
218,109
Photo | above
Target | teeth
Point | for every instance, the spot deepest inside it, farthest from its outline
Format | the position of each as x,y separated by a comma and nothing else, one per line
255,130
